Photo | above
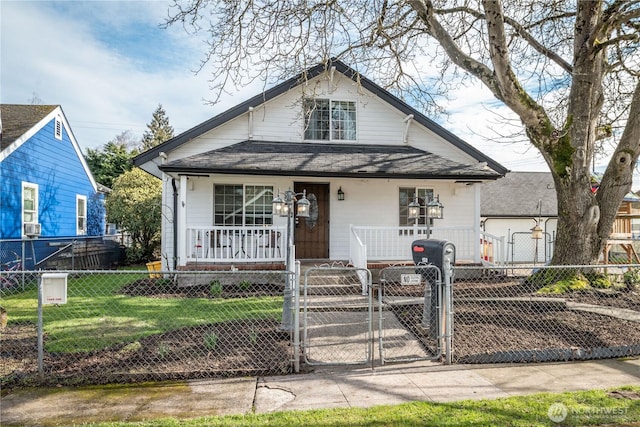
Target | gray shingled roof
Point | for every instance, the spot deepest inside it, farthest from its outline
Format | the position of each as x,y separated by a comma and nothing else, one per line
344,160
517,195
18,119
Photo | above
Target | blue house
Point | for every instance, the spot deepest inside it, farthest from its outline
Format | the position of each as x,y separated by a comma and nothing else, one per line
48,195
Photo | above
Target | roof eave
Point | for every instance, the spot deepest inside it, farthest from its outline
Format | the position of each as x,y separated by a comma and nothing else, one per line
329,174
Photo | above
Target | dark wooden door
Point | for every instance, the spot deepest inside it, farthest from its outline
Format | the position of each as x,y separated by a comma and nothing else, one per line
312,234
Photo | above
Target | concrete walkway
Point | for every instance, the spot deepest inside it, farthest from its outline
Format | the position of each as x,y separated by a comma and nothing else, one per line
324,388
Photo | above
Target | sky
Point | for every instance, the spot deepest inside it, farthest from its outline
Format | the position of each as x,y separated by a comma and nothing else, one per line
109,65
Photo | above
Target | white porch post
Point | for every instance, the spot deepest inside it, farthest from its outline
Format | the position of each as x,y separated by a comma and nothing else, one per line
476,223
182,221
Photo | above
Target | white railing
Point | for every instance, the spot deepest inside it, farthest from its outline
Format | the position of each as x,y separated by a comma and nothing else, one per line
394,244
358,257
236,244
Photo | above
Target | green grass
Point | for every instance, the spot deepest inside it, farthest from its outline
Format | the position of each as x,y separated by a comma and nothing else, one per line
596,407
96,317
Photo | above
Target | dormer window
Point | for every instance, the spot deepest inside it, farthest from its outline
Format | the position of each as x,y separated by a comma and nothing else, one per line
329,120
58,128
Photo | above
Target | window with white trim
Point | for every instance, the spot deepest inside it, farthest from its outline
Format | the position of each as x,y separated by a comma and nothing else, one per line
29,203
329,120
81,215
239,205
407,195
58,128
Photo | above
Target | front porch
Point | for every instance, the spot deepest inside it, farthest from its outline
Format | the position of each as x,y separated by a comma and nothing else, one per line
265,247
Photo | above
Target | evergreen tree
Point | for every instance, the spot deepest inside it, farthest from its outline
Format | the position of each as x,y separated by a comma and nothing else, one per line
158,131
111,161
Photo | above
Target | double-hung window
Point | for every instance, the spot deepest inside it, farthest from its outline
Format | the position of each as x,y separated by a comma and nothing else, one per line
407,195
240,205
329,120
29,203
81,215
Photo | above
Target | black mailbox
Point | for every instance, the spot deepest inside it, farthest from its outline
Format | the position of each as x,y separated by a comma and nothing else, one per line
433,252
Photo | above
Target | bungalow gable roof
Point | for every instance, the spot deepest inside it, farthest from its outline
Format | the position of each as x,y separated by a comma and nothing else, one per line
287,85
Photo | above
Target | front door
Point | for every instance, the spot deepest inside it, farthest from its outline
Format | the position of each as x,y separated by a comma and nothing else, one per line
311,234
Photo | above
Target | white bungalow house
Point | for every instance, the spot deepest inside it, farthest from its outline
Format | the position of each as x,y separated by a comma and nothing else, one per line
359,154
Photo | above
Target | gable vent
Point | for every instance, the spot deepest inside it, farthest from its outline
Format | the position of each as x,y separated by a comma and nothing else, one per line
58,128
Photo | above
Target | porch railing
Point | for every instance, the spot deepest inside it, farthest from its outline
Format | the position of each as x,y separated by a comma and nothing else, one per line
394,244
236,244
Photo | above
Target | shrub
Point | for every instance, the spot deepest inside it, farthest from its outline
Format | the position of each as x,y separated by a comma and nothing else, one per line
631,278
211,340
215,288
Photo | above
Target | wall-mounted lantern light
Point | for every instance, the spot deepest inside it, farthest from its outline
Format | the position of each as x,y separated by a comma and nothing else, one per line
340,194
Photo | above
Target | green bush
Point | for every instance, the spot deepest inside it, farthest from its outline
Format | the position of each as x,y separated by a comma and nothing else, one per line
211,340
215,288
245,285
631,278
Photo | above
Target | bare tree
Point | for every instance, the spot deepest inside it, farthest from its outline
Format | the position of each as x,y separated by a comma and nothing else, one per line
568,69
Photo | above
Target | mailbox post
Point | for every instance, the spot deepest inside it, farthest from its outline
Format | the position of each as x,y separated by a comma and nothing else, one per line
441,254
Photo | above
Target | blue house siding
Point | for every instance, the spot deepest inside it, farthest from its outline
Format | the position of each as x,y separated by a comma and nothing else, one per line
31,153
54,166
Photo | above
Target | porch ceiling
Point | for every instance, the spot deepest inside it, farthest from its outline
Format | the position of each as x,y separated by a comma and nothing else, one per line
327,160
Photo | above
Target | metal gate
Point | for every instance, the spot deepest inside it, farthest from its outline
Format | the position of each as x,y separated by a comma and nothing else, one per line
527,250
337,316
412,318
344,315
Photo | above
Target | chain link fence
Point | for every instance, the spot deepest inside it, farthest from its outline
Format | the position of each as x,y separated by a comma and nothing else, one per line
127,326
546,314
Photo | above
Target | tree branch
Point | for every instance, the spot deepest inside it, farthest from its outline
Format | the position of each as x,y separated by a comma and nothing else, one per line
513,93
521,31
425,11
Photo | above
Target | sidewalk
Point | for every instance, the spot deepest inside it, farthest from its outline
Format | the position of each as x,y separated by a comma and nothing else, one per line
326,387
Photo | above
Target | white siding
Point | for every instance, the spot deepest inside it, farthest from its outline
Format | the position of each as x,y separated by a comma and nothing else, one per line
517,231
281,120
368,202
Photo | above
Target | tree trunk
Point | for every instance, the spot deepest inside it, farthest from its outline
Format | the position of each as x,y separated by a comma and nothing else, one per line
577,241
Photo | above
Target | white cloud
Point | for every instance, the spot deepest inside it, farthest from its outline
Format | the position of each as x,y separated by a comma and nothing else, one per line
109,65
102,91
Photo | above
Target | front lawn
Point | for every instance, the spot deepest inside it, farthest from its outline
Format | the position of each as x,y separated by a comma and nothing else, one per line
97,315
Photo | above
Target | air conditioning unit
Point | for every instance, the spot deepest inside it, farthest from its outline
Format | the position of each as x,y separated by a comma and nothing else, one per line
31,229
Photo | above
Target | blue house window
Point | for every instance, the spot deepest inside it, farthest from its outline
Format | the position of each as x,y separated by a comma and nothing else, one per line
29,204
81,215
